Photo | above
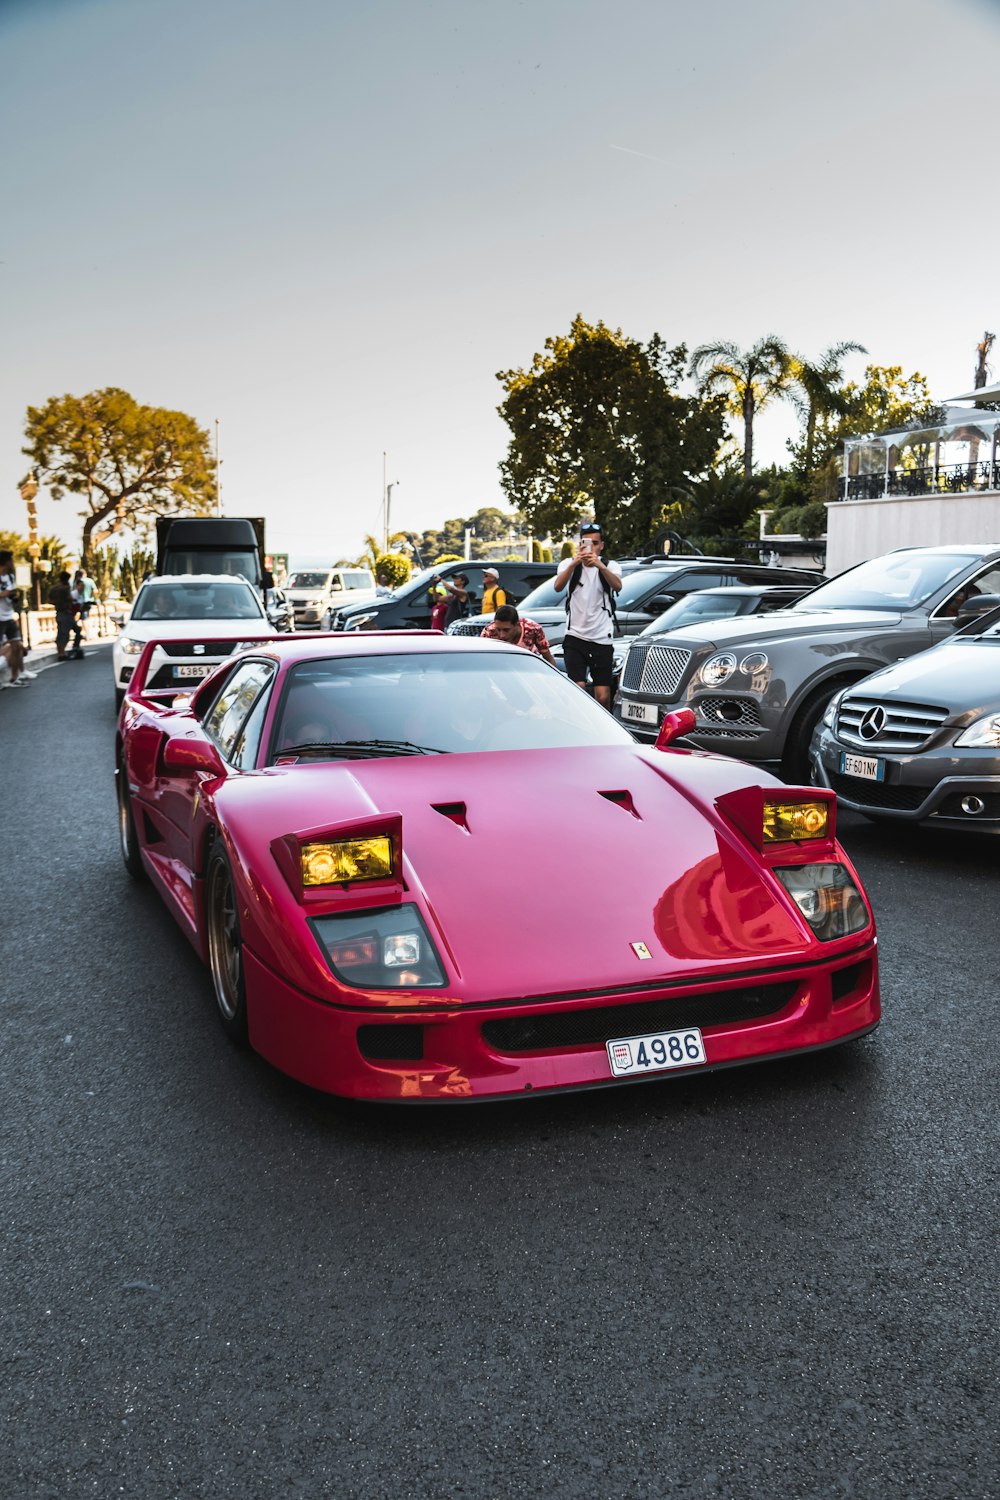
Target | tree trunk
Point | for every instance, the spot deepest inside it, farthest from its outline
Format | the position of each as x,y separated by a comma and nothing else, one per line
748,434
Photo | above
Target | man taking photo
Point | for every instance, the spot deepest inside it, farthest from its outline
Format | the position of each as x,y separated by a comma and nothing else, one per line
590,610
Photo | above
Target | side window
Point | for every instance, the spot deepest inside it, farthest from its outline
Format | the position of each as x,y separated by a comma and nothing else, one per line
225,720
248,739
987,582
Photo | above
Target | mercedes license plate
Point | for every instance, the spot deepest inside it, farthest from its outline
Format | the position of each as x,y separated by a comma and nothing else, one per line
643,713
869,768
651,1054
201,670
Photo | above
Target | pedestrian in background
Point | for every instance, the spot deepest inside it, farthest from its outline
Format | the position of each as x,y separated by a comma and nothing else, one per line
382,589
10,627
590,612
493,595
66,621
508,626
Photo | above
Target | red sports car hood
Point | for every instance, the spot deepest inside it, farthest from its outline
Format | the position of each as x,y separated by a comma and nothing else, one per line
546,872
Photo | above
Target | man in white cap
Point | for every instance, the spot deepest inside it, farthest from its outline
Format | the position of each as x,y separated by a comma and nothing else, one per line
493,594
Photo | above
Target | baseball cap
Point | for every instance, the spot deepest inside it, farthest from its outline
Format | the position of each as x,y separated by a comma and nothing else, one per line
490,573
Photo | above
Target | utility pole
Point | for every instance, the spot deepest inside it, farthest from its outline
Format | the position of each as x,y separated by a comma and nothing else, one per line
218,476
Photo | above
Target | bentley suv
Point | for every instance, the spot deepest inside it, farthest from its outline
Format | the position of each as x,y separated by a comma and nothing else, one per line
759,685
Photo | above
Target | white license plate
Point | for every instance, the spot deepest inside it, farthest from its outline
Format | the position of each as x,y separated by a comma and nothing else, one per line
869,768
651,1054
645,713
198,671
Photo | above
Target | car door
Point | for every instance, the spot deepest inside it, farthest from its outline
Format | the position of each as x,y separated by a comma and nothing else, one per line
233,724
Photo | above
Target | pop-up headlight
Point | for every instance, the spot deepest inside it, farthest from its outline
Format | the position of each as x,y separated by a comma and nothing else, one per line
798,821
346,860
827,897
384,948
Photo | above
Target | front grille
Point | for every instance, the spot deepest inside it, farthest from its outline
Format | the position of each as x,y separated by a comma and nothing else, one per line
391,1043
877,793
467,627
213,652
732,713
656,669
582,1028
908,726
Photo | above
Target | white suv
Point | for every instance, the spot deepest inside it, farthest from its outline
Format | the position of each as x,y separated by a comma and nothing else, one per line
317,593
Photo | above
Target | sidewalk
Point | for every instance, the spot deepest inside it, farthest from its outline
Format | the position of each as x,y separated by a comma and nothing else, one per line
42,656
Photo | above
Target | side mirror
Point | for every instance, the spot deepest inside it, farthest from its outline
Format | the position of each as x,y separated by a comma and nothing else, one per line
675,725
979,604
186,754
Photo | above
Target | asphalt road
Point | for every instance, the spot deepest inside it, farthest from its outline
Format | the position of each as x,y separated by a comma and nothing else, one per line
777,1281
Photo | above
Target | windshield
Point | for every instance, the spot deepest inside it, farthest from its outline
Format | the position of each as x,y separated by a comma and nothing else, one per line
308,581
694,608
902,580
483,700
543,597
213,560
197,601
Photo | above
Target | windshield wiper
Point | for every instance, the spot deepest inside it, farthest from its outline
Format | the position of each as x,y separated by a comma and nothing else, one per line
364,747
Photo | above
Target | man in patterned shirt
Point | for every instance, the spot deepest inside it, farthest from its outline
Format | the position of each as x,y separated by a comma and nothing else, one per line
508,626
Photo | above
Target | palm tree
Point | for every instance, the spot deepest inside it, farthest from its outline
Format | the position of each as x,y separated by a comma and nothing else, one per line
748,378
818,390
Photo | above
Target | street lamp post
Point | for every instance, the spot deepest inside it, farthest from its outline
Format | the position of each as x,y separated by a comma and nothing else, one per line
29,490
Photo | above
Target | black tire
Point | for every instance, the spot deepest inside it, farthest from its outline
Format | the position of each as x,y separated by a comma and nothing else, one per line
127,839
225,947
795,758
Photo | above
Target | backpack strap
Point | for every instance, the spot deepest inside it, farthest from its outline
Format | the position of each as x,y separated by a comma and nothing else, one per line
608,591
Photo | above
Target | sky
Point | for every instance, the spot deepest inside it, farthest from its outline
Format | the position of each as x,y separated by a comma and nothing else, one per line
325,225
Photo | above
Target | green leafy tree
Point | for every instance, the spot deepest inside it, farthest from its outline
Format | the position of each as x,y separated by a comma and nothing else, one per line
128,462
818,393
395,566
597,428
719,506
748,379
133,568
887,402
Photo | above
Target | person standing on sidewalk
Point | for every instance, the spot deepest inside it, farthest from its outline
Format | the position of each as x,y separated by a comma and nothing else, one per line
10,629
66,621
590,612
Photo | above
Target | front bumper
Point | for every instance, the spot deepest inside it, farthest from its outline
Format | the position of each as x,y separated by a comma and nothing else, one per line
506,1050
927,788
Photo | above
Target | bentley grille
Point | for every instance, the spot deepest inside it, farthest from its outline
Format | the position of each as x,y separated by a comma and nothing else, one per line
652,668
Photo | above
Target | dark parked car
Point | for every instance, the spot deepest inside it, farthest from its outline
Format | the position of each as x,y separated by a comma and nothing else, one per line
919,742
647,591
410,606
758,686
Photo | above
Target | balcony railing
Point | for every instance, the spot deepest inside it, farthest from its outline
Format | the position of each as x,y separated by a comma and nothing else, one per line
945,479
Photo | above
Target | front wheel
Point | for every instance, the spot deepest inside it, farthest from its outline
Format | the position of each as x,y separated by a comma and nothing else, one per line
795,759
127,840
225,947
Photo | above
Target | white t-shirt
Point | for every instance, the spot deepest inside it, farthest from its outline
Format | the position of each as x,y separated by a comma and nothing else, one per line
589,616
7,581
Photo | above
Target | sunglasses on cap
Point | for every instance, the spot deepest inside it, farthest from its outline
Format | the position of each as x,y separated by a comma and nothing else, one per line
591,529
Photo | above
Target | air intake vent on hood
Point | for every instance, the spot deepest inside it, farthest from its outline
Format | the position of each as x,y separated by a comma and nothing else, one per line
453,811
622,800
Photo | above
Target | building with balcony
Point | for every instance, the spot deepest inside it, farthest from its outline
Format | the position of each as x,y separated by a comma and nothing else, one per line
920,488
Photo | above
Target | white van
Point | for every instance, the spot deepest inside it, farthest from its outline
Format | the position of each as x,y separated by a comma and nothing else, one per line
316,593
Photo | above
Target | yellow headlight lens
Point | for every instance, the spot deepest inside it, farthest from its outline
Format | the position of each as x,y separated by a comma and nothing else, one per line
346,860
787,822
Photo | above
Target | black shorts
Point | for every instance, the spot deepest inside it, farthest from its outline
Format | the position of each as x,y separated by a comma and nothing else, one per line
599,656
9,630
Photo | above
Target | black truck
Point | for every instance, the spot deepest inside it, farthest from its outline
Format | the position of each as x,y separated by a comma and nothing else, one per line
213,544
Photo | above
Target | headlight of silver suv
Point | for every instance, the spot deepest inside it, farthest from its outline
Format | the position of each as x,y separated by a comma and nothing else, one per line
358,622
984,733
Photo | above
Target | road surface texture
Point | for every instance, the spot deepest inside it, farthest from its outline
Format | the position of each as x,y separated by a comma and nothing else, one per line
779,1281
